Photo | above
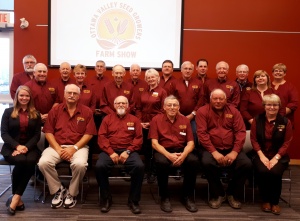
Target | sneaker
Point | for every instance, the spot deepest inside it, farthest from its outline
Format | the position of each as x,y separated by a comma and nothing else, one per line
70,201
58,198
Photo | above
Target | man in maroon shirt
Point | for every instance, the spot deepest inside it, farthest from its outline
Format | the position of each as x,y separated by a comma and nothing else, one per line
167,78
114,89
21,78
44,93
120,137
68,129
230,87
202,67
242,72
173,142
221,132
65,71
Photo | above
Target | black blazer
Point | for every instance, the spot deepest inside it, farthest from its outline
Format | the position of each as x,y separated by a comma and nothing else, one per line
10,132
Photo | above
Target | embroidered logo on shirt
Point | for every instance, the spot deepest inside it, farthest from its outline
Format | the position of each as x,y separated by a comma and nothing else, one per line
155,94
281,127
130,124
182,127
51,90
248,88
229,87
126,92
228,116
86,91
141,89
80,119
195,86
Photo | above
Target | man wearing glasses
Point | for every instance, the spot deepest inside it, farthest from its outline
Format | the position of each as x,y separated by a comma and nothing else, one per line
173,142
68,129
120,137
21,78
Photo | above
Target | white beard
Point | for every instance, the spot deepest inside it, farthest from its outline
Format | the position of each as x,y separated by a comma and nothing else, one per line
121,111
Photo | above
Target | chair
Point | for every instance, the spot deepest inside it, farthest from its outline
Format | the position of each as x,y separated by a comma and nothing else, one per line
289,181
4,162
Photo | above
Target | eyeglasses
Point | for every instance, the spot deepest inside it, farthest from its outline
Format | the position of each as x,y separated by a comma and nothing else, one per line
172,105
72,93
272,105
121,103
29,62
41,71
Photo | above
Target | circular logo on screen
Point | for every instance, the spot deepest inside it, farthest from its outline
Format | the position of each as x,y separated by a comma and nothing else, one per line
116,27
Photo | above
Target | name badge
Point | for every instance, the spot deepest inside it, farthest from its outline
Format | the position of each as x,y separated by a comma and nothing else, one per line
182,133
130,128
155,94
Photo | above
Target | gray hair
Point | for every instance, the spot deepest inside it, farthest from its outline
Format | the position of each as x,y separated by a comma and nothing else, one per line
217,91
242,66
29,56
154,72
69,85
272,98
170,97
218,64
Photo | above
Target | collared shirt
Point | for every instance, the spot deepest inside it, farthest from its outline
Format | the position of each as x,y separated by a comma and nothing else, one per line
152,102
205,78
111,91
220,132
167,85
69,130
230,87
120,133
87,97
190,97
60,84
268,150
171,135
44,96
18,79
97,84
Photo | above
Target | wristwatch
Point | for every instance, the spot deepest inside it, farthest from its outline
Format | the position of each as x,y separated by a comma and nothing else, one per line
194,113
76,147
128,152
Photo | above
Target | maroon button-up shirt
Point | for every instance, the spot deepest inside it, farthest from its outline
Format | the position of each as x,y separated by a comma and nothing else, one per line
18,79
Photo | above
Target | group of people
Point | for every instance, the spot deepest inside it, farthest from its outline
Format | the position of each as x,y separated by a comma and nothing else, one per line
184,123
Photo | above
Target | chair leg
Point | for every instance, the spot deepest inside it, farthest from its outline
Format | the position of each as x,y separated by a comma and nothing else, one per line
9,186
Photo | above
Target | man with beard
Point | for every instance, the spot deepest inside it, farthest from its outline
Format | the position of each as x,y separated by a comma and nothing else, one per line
21,78
120,137
68,129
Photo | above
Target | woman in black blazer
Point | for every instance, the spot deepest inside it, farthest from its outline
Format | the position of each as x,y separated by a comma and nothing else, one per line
20,131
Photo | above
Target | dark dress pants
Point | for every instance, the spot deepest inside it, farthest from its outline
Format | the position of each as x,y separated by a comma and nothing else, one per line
23,170
239,171
189,168
270,181
133,166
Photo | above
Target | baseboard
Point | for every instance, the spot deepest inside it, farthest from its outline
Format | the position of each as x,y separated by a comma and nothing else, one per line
295,162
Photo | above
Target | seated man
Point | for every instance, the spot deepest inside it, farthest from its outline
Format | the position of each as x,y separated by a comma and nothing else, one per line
173,142
221,132
68,129
120,137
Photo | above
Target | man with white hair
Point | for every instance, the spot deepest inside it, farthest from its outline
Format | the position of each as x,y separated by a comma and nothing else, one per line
230,87
21,78
221,132
242,72
120,138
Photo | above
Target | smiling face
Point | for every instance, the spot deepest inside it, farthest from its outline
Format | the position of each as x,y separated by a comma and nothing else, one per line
222,70
152,79
100,68
167,68
79,75
187,70
28,64
23,98
218,100
242,73
118,74
65,71
72,93
135,72
40,73
171,107
121,105
202,68
261,79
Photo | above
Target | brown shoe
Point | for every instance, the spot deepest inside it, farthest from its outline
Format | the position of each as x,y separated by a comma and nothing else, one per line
216,203
266,207
235,204
276,209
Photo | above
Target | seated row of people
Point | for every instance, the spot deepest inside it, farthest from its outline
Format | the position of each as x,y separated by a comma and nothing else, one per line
220,130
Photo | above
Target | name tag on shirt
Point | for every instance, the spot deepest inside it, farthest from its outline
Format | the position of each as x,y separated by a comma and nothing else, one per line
155,94
130,128
182,133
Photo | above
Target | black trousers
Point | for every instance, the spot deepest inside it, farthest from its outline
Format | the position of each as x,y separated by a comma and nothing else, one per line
23,170
239,171
133,166
189,168
147,151
270,181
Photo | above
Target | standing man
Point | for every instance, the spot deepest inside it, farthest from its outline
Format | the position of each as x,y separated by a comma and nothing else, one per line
188,91
29,62
173,142
202,68
120,137
242,72
65,71
44,93
221,132
167,79
230,87
116,88
68,129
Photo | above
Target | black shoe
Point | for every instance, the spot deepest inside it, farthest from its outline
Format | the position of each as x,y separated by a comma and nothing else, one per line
106,205
165,205
151,178
189,205
9,209
20,208
134,207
